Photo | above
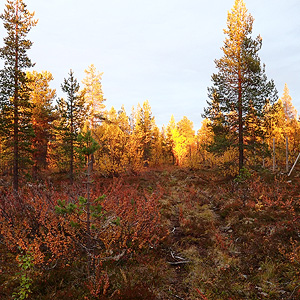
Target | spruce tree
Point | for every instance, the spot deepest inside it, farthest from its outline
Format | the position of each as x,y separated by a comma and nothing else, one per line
72,114
143,130
14,91
240,87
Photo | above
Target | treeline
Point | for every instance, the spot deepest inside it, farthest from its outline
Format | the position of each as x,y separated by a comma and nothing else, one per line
127,142
130,142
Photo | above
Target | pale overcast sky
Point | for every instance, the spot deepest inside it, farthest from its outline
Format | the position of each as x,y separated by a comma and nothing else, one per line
158,50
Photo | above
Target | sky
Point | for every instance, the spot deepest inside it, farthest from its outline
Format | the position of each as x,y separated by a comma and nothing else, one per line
162,51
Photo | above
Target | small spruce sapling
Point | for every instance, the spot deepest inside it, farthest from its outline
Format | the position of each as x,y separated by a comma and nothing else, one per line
85,210
88,146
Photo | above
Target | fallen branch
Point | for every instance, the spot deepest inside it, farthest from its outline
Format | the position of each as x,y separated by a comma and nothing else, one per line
116,257
178,262
294,165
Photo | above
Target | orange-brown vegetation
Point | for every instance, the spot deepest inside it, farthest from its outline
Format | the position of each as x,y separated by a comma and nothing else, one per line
161,234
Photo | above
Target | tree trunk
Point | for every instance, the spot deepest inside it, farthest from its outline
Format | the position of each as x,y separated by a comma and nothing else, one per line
274,156
16,144
72,145
240,116
71,160
88,216
16,115
287,153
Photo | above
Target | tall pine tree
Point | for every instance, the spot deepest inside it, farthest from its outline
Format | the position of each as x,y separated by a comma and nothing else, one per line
14,94
240,86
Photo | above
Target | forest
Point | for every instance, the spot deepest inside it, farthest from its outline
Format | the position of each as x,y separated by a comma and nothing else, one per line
100,203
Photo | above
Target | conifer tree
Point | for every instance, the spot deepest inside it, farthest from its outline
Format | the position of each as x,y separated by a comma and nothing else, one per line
123,121
94,94
143,129
157,149
205,137
72,114
14,94
280,122
109,156
288,108
94,98
169,139
241,84
41,97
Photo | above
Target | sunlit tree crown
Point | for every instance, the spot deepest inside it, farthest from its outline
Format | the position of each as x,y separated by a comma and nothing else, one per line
288,108
93,92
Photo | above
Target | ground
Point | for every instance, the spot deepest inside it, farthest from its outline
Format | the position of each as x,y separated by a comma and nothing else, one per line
222,238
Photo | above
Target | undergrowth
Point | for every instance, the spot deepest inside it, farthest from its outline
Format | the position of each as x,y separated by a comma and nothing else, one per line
162,234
